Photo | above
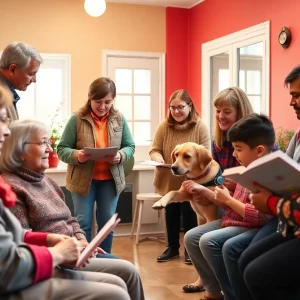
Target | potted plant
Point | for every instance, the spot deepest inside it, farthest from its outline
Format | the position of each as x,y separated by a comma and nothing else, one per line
283,137
55,131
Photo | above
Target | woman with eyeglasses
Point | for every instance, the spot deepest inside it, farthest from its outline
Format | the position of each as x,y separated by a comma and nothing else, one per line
181,125
98,125
40,205
32,263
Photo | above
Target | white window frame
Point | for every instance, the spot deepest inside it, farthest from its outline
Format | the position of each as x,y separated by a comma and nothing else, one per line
65,110
137,54
230,44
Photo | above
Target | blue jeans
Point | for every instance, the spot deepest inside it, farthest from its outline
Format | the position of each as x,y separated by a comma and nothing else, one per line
233,251
204,245
105,195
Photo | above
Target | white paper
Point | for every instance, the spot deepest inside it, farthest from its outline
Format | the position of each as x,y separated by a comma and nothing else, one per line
156,164
100,153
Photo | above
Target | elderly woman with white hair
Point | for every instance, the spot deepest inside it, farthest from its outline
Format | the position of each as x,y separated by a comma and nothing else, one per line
40,205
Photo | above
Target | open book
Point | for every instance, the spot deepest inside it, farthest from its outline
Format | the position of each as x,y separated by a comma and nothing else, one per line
100,153
156,164
276,171
98,239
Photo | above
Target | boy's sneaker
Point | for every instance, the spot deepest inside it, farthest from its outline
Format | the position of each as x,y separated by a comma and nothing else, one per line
168,255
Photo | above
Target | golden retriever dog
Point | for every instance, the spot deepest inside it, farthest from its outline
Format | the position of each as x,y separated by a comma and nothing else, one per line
195,163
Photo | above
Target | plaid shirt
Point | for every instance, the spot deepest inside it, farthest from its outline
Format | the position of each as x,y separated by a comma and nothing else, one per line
252,217
223,156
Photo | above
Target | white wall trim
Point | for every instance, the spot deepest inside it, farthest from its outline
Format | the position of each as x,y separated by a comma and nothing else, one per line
139,54
229,43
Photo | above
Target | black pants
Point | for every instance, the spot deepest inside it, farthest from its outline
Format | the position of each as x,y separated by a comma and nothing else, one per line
271,268
189,218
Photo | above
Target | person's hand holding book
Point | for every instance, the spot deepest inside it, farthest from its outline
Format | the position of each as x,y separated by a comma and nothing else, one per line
260,198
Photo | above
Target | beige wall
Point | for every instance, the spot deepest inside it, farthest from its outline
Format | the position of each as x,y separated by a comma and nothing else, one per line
62,26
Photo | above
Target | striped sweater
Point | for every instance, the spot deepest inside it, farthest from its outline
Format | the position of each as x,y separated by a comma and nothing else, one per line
252,217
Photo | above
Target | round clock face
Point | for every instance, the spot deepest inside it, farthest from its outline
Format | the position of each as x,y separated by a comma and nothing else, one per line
282,37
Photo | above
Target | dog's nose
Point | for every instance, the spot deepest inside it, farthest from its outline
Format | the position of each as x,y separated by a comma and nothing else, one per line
174,168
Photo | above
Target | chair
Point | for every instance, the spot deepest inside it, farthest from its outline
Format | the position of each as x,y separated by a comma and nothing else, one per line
138,212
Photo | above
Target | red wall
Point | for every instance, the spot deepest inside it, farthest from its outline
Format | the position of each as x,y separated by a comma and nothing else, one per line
215,18
176,50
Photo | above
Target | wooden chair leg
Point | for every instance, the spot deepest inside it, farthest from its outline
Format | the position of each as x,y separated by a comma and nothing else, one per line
134,217
141,205
163,219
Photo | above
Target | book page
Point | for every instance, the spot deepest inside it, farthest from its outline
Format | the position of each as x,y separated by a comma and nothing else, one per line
97,240
100,153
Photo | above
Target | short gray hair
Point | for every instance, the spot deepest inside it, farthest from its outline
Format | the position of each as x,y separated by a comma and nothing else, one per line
19,54
15,145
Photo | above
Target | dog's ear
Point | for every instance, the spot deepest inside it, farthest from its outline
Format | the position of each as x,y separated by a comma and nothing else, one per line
204,156
173,154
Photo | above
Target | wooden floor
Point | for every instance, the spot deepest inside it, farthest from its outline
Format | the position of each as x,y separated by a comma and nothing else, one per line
161,281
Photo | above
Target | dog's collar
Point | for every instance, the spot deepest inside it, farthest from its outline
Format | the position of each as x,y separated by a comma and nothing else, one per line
200,176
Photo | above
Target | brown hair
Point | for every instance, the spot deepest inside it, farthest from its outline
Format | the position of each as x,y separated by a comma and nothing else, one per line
184,96
98,89
237,98
6,97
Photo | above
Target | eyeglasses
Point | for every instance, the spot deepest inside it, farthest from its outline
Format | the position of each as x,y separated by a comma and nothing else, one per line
41,143
179,107
5,120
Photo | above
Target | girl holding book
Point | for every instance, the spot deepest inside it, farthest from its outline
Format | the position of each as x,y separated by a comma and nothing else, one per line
98,125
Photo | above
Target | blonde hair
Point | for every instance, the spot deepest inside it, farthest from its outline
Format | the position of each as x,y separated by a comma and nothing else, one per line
184,96
237,98
6,97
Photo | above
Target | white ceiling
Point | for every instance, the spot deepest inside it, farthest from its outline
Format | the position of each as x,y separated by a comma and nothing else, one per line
173,3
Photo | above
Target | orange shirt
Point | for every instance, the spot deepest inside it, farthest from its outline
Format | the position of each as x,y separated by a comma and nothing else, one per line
102,168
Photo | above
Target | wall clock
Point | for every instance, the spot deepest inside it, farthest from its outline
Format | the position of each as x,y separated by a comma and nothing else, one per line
285,37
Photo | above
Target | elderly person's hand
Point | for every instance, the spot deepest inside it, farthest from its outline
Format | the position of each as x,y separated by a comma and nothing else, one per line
260,198
53,239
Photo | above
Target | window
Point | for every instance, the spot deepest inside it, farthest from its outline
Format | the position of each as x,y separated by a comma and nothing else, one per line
50,92
139,79
239,59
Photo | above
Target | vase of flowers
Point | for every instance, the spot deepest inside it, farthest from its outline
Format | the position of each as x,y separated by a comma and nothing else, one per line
55,131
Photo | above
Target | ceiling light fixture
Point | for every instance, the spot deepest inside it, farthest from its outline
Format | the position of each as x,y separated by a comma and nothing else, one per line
95,8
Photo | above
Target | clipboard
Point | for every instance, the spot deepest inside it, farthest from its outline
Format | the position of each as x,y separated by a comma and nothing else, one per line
100,153
98,239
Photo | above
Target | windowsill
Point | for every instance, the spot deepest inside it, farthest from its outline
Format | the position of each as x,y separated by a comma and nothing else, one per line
62,168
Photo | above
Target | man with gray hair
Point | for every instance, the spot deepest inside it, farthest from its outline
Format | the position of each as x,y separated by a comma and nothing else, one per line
19,64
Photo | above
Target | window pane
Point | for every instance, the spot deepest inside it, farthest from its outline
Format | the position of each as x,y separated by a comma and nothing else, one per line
255,101
253,82
254,49
48,96
25,105
142,81
142,133
142,107
223,79
242,80
123,80
124,105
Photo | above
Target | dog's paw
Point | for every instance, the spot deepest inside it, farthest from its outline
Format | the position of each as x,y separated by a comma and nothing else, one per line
158,205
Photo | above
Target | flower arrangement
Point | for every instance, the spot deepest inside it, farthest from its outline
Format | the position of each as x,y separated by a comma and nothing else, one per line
55,129
283,137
